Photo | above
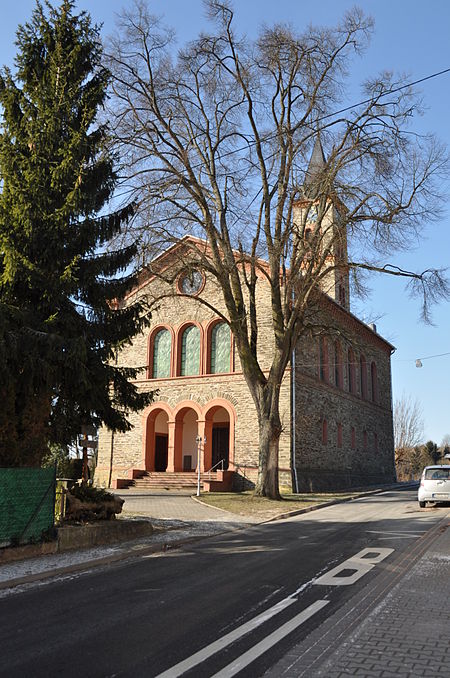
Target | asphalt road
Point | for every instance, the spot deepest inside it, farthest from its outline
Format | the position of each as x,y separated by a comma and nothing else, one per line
227,605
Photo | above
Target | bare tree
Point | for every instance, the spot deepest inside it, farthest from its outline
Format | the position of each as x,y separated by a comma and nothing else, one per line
216,142
408,423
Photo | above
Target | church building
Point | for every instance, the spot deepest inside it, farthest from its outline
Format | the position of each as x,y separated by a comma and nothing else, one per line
335,398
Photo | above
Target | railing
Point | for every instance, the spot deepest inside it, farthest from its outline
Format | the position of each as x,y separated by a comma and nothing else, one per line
219,463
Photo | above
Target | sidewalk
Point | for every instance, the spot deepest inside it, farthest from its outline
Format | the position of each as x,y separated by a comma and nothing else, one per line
406,634
176,517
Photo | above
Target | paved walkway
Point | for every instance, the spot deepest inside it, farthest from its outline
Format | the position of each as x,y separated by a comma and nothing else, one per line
174,505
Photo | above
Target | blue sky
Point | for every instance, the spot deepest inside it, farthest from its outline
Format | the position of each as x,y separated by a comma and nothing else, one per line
410,37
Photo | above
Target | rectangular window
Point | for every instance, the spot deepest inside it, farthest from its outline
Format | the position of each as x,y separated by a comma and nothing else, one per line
353,434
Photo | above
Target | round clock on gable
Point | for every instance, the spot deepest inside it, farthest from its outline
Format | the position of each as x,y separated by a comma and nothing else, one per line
190,282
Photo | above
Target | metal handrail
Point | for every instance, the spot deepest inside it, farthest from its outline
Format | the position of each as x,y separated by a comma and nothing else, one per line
219,463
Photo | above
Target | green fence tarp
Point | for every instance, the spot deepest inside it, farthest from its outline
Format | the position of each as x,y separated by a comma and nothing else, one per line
27,498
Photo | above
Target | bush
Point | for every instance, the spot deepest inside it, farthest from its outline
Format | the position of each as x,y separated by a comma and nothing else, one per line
85,492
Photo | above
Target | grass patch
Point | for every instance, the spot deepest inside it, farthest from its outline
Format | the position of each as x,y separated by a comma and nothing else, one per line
247,504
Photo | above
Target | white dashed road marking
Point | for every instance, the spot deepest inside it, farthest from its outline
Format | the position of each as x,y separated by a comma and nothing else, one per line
271,640
358,565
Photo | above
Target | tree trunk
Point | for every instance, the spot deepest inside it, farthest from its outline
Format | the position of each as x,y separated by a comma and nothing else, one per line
269,438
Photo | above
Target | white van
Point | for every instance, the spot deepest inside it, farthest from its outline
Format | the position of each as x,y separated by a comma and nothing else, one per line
434,484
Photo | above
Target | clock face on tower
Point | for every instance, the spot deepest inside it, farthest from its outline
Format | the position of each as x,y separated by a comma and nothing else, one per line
190,282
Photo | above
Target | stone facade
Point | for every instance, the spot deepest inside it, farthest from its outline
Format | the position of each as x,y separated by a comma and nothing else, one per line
343,436
332,436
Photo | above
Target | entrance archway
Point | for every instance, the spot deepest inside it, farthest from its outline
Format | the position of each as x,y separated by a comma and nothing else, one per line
186,431
156,438
219,431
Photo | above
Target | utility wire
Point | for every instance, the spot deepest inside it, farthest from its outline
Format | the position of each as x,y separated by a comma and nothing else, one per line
269,137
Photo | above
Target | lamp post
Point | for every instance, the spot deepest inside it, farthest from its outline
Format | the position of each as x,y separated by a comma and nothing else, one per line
199,441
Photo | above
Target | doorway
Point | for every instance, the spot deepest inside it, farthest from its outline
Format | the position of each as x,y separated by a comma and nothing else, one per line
221,444
161,448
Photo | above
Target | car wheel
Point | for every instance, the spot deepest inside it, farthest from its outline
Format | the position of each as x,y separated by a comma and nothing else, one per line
422,504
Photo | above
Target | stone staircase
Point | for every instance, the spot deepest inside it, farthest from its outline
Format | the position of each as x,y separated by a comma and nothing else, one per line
185,480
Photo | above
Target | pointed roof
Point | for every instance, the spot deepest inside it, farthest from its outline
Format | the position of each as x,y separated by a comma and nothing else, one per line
316,165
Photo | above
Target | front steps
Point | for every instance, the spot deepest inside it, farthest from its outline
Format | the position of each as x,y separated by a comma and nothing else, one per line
184,480
217,481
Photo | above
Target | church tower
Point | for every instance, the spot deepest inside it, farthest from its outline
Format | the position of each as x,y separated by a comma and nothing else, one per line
318,217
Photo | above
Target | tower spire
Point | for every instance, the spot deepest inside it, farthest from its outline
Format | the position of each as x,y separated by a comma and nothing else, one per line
317,164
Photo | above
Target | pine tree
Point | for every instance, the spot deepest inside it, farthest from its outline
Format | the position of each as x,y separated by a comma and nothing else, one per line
58,278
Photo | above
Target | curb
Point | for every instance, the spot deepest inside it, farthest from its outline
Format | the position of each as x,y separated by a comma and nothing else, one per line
161,547
320,505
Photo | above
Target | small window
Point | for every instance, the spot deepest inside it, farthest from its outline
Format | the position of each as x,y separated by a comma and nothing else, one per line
365,441
353,436
375,442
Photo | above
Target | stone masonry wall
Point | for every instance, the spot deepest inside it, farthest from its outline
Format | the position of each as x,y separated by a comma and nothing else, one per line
323,462
173,312
319,465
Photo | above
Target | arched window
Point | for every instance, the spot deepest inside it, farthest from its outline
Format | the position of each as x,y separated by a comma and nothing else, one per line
337,365
190,351
323,359
374,382
220,349
162,350
351,371
363,376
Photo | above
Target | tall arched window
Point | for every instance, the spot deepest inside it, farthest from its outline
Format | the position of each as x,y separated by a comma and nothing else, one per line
220,349
190,351
374,380
323,359
363,376
162,349
337,365
351,371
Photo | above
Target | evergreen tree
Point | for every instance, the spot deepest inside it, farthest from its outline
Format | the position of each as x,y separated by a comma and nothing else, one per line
431,449
59,326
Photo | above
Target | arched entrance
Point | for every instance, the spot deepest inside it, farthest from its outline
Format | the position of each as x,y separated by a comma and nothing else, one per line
185,439
219,431
170,436
156,441
161,441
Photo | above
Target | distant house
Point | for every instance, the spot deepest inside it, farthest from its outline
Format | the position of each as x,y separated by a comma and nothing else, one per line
335,398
